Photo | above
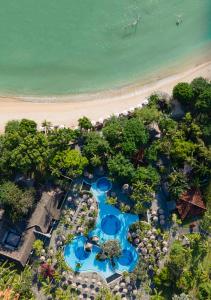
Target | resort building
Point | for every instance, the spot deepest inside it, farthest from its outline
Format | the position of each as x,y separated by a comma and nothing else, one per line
16,240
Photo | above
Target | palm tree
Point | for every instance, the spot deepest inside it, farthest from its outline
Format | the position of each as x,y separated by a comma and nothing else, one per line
157,296
46,124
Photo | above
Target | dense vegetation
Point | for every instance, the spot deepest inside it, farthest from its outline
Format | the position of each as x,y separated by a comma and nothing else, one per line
166,142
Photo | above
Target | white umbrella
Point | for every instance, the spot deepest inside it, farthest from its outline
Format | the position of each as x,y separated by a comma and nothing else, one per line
135,292
116,288
125,291
80,286
99,283
93,292
93,280
122,284
86,290
145,101
165,249
42,258
80,297
74,285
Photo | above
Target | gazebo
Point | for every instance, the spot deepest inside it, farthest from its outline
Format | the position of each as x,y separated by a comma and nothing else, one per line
190,203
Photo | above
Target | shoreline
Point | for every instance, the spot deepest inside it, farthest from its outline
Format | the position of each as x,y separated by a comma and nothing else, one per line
95,106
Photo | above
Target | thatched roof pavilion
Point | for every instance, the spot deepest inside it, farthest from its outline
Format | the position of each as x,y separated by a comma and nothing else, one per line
16,240
191,203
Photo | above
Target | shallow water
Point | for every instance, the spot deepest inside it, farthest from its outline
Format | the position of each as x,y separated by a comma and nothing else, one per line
71,46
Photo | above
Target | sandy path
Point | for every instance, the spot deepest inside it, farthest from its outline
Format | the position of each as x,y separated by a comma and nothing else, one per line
93,106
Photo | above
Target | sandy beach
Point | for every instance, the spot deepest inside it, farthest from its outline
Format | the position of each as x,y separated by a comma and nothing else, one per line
99,105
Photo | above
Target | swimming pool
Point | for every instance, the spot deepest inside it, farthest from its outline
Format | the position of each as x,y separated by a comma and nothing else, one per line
111,224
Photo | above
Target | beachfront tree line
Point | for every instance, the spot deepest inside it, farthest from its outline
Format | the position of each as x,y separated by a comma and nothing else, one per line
153,145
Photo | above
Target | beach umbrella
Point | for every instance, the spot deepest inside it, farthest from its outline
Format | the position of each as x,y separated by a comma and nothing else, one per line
165,249
125,291
162,222
93,280
86,279
70,277
80,297
80,229
149,232
43,251
162,217
92,208
116,288
99,283
139,106
140,245
42,258
129,288
136,241
80,287
154,230
155,219
74,285
93,292
164,243
161,211
135,292
95,238
153,213
124,298
152,237
86,290
145,101
122,284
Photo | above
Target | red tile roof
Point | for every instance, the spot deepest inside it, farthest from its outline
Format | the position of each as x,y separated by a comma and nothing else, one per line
190,203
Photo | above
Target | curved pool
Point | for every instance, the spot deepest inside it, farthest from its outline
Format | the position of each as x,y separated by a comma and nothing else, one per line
103,185
111,224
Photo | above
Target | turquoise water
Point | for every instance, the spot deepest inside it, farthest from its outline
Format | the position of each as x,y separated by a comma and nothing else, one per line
72,46
111,224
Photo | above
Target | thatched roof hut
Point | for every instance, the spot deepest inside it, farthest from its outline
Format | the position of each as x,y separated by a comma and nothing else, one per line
16,240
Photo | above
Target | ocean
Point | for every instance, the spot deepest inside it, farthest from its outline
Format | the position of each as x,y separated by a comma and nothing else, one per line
51,47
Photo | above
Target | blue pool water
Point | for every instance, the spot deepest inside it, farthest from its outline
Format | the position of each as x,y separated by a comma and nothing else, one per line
111,224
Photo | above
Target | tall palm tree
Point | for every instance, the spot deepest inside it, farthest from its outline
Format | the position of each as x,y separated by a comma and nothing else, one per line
46,124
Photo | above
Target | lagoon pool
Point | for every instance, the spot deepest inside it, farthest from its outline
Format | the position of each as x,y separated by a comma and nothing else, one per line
111,224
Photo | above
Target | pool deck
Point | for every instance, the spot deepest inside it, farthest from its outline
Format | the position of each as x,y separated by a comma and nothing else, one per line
90,264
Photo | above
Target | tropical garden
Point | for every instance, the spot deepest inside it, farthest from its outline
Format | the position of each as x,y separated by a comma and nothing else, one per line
165,143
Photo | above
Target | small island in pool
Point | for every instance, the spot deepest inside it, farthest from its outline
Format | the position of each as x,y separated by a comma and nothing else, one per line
111,224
